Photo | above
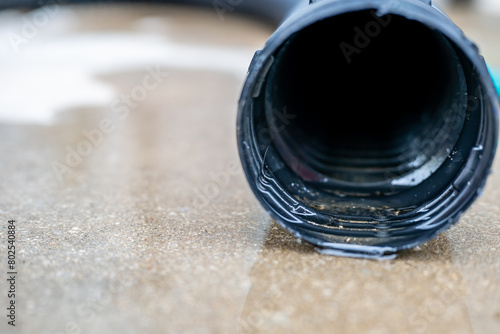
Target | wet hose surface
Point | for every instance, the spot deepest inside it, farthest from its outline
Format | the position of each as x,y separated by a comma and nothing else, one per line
364,127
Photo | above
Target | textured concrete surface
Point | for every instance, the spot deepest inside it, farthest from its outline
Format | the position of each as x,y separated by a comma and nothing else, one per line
125,243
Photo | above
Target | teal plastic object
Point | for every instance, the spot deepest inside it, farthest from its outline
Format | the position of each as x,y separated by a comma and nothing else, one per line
495,74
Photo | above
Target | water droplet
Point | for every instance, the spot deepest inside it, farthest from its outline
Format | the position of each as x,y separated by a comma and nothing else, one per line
478,148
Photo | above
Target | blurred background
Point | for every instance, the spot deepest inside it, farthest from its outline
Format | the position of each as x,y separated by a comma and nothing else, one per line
119,164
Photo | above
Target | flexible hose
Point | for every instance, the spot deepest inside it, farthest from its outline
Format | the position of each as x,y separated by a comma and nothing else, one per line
274,11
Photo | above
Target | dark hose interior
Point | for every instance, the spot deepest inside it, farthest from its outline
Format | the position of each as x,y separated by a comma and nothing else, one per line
378,103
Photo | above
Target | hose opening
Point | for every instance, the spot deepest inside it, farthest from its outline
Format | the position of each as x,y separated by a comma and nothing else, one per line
379,102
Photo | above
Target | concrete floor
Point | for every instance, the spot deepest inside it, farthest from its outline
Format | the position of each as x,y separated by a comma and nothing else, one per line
124,243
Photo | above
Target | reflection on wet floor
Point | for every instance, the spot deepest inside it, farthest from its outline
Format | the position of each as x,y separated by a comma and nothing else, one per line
295,290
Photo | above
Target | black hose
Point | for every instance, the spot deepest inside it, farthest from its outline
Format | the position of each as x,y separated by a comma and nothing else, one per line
368,127
364,127
274,11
